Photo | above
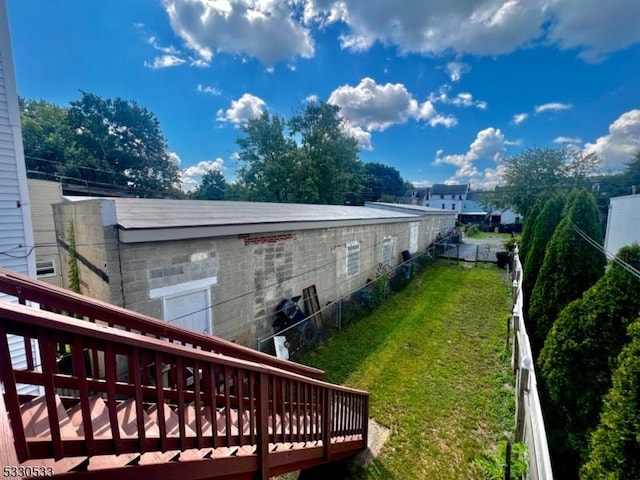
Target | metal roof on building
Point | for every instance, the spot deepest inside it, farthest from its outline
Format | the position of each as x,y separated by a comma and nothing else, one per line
141,219
405,208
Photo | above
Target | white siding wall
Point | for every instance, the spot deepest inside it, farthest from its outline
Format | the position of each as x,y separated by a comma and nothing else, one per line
16,234
622,224
42,195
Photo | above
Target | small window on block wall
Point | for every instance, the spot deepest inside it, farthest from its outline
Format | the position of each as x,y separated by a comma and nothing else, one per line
353,259
387,250
46,268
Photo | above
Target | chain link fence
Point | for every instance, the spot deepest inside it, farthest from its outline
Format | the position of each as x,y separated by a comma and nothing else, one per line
316,327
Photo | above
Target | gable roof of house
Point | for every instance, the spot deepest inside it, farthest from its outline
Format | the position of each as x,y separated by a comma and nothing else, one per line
443,189
143,220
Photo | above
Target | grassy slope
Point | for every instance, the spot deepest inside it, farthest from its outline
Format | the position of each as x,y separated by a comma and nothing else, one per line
433,359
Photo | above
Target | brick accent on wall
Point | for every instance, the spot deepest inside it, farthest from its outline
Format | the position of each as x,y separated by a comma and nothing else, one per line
268,239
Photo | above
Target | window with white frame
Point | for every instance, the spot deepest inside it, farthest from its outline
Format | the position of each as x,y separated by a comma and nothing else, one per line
387,250
414,229
46,268
353,259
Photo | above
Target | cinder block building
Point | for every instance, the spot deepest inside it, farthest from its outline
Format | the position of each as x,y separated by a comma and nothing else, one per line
222,267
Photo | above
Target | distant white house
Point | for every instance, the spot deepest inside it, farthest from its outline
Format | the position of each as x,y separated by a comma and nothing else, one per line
622,223
439,196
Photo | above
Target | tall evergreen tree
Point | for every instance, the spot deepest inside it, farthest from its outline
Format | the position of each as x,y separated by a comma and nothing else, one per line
582,347
527,230
571,264
550,215
615,445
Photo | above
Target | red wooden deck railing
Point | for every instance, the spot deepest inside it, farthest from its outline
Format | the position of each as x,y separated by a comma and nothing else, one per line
313,421
59,300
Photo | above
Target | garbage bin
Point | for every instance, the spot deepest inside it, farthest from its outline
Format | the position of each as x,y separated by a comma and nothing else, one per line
503,259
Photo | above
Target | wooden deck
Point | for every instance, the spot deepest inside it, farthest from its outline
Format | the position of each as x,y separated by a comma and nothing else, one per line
118,400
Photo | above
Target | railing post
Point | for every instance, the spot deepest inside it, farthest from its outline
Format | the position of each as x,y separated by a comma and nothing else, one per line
516,344
523,390
365,421
327,423
8,384
263,426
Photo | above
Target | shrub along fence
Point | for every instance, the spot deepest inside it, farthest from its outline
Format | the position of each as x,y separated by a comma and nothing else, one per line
529,422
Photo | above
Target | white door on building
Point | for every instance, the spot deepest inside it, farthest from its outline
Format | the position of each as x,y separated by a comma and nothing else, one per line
190,310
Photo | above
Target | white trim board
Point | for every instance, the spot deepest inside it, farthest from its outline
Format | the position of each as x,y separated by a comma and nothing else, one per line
182,287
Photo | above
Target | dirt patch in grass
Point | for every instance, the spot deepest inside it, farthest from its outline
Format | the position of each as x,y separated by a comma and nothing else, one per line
433,359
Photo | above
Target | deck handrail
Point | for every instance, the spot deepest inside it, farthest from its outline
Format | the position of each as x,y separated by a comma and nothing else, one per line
51,297
149,370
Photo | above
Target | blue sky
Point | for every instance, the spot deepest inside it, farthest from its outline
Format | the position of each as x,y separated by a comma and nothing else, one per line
441,90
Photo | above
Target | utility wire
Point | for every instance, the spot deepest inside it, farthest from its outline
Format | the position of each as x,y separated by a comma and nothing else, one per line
319,267
629,268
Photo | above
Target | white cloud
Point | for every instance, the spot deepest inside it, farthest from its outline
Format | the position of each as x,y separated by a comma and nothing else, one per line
488,144
572,140
165,61
370,106
377,107
313,98
463,99
208,89
361,136
491,177
198,62
594,27
518,118
192,176
552,106
622,142
173,157
245,108
482,27
265,29
446,121
456,70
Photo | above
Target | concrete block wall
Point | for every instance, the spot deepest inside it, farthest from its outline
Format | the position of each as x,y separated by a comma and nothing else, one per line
96,247
150,265
253,272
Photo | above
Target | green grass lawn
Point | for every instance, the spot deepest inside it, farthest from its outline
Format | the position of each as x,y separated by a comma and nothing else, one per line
503,236
433,358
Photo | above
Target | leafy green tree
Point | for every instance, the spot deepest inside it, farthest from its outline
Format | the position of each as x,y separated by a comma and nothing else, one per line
101,142
582,347
550,215
541,173
272,166
331,155
48,140
126,137
380,181
615,445
571,264
212,187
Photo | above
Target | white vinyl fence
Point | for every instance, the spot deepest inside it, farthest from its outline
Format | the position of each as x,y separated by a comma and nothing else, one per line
529,422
